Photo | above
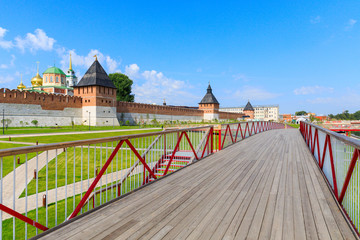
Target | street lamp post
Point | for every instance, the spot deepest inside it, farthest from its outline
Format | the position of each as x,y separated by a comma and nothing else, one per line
3,121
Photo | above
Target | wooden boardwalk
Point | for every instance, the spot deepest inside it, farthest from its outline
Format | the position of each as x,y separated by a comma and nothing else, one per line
265,187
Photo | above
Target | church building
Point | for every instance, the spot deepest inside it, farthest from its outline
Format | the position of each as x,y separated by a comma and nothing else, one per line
54,81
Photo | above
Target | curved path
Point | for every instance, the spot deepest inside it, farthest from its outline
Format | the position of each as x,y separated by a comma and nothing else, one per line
264,187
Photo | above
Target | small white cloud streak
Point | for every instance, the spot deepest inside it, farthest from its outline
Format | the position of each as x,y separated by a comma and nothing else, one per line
350,24
254,93
11,64
315,20
4,44
307,90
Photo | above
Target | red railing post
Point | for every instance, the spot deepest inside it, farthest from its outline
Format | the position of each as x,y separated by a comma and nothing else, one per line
212,139
22,217
219,137
97,179
349,174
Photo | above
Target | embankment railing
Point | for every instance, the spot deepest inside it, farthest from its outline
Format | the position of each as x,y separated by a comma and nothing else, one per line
45,185
338,158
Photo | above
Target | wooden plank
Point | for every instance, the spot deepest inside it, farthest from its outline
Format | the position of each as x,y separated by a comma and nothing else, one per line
263,187
299,223
321,227
262,169
229,217
258,219
183,211
310,227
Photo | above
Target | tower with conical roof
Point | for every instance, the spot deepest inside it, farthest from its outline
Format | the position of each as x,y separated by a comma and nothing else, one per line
249,110
98,97
71,79
210,105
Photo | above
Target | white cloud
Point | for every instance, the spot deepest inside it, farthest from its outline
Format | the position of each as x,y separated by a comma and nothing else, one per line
254,93
4,44
112,64
347,99
11,64
37,41
315,20
350,24
240,77
312,90
132,70
85,61
151,86
6,79
2,32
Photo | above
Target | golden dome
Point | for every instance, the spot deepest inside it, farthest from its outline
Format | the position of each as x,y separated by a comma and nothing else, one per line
37,81
21,86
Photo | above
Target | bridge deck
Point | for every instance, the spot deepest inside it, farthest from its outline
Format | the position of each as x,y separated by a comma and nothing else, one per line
265,187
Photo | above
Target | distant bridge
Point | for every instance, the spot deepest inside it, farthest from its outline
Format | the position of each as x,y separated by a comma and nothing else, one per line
234,181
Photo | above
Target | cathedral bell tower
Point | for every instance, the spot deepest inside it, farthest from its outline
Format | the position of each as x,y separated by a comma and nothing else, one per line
71,79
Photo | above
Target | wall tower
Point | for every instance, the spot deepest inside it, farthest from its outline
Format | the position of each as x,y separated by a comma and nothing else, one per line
98,97
210,105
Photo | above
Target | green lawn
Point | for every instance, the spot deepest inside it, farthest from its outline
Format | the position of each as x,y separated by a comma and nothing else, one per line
128,186
293,125
60,129
124,159
74,137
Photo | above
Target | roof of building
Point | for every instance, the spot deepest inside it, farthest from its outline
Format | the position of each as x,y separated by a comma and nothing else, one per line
248,107
96,76
209,97
54,70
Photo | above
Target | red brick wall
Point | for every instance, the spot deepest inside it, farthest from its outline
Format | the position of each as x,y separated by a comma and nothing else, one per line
229,115
127,107
96,96
46,101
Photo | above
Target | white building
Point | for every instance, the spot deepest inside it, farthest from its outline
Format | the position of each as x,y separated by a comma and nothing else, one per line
261,112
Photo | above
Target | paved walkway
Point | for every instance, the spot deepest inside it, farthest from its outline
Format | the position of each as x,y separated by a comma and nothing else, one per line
20,177
265,187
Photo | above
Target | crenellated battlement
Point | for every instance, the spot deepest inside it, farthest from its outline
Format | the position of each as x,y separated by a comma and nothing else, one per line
45,100
131,107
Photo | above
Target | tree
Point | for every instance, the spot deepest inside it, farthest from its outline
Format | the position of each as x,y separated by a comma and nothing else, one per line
300,113
35,122
123,87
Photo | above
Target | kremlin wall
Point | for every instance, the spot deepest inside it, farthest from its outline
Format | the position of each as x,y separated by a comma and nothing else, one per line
94,100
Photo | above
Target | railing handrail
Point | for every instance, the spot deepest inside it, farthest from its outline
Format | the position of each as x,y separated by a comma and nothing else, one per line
51,146
347,140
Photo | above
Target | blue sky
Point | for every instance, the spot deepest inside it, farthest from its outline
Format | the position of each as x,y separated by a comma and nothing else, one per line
302,55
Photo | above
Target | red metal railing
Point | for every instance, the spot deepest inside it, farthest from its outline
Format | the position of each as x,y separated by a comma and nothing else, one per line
338,158
70,175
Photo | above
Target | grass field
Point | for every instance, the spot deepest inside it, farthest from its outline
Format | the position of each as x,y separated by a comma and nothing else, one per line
61,129
293,125
61,214
87,160
74,137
